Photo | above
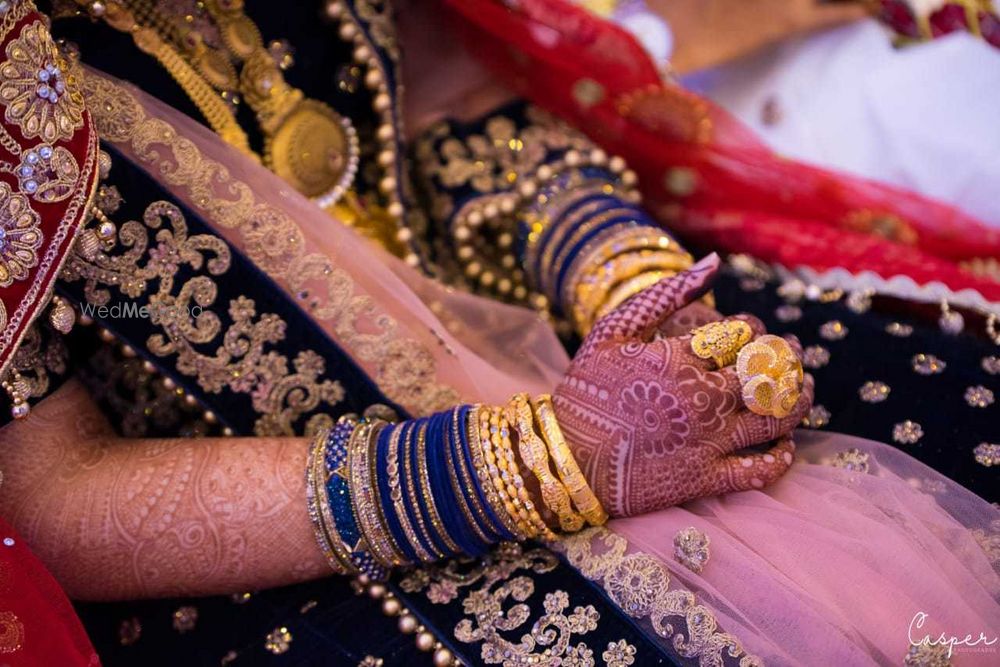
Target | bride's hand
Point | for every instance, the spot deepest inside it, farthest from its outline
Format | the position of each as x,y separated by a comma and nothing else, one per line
651,424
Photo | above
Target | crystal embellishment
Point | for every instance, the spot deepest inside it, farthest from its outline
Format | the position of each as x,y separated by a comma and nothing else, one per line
874,392
815,356
979,397
927,364
907,432
987,454
833,330
991,365
818,417
852,459
278,641
691,548
898,329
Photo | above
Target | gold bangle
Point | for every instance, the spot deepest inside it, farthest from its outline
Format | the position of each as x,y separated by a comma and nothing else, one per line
580,231
456,485
365,500
318,505
505,474
569,472
592,290
412,493
536,457
425,485
567,226
527,510
396,495
478,440
626,290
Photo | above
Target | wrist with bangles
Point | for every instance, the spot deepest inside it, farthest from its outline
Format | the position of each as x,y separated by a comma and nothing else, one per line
382,495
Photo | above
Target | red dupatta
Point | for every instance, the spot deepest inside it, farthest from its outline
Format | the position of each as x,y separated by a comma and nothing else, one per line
703,173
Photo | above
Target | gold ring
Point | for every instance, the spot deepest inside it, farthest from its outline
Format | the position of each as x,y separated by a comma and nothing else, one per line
720,341
770,375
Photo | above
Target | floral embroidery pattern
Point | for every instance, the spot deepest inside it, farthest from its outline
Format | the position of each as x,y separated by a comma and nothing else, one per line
20,236
665,424
48,174
39,88
243,364
548,641
640,586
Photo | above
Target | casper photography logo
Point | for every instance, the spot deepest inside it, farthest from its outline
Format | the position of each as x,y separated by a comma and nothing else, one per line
970,640
130,310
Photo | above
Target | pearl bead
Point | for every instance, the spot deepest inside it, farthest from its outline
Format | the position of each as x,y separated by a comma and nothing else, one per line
148,367
425,641
395,209
387,185
462,233
384,132
629,177
348,31
376,591
442,657
573,158
209,416
363,579
507,204
616,164
128,351
391,607
20,410
85,320
168,383
407,624
386,158
412,260
381,102
473,269
190,400
97,9
475,218
598,157
404,235
373,79
544,172
334,9
528,188
490,211
362,53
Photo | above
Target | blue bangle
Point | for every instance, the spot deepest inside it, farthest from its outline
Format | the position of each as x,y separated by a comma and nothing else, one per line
561,268
464,473
410,489
385,495
449,501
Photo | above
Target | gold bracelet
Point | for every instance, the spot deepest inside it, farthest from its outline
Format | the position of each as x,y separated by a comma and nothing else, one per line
569,472
396,495
412,493
527,511
626,290
363,495
425,485
479,437
581,231
456,485
318,505
536,457
494,454
592,291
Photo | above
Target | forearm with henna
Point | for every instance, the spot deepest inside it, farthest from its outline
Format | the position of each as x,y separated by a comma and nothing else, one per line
115,518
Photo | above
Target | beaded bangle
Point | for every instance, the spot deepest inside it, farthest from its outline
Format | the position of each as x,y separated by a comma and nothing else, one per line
535,455
510,475
396,494
490,429
425,484
318,503
457,475
569,472
493,503
364,494
464,439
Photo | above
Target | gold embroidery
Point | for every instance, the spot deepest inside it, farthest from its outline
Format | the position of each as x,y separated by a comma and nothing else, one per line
20,236
36,357
402,368
242,363
640,586
39,87
11,632
48,174
547,643
378,15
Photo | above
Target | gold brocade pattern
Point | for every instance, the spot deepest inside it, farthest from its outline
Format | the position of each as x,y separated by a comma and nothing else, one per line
20,236
552,639
33,67
242,363
403,368
640,586
37,356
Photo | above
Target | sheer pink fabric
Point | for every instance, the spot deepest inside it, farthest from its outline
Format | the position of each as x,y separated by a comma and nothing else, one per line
826,565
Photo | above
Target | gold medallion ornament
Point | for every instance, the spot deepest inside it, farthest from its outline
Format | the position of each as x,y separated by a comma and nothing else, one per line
720,341
771,376
314,149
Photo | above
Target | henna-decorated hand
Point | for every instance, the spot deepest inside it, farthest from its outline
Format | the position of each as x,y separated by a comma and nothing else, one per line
651,424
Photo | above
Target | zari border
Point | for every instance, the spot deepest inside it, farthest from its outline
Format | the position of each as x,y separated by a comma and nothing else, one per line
640,586
59,234
121,120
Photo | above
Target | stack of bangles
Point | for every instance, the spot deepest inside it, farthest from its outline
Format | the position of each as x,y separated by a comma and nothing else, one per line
590,249
383,495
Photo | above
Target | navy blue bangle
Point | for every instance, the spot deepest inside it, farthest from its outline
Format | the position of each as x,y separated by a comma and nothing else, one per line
562,268
385,495
454,519
605,202
437,475
457,441
411,491
421,508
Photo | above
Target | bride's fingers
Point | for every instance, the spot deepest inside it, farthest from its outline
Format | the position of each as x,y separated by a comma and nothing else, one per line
752,429
638,317
757,329
755,471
